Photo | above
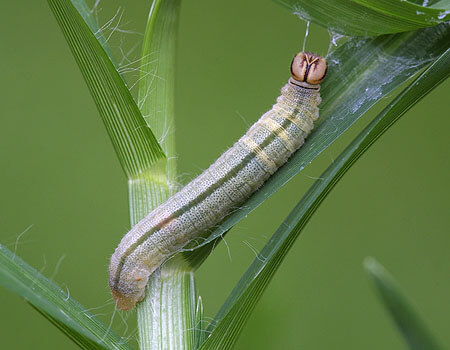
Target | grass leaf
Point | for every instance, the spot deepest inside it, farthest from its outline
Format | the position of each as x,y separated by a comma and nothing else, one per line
55,304
369,17
167,314
134,142
360,73
230,319
157,76
156,101
410,325
89,19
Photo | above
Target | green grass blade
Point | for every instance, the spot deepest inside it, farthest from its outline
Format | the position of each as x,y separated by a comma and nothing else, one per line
369,17
156,101
89,19
231,317
79,339
55,304
408,322
166,317
200,333
157,78
360,73
134,142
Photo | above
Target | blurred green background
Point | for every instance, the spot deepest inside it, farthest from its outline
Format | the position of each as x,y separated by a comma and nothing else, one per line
60,175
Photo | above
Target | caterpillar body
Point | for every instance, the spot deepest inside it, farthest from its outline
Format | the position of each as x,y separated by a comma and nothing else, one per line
226,184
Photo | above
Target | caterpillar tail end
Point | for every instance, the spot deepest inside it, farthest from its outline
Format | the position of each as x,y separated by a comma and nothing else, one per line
123,302
127,283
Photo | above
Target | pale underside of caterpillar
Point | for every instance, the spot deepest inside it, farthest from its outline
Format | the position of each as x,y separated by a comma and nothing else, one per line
226,184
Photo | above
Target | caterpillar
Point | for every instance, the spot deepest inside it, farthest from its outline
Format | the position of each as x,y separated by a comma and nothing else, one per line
226,184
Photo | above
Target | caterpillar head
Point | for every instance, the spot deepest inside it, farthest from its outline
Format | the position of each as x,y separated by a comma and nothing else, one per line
309,68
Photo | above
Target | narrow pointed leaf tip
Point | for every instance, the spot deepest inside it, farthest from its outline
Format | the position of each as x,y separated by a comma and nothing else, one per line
412,328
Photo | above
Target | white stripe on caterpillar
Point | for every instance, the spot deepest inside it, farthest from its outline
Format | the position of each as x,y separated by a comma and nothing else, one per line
232,178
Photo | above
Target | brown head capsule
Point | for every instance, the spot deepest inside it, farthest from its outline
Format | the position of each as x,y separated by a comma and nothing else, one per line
309,68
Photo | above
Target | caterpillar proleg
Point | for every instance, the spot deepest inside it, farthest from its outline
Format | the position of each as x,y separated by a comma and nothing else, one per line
228,182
